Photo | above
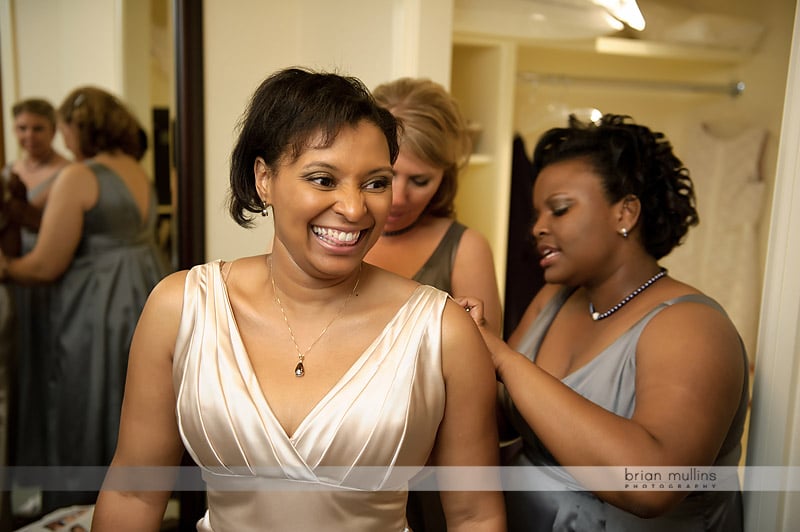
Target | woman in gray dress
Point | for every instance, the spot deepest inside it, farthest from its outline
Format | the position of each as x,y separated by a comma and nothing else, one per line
96,247
616,364
422,240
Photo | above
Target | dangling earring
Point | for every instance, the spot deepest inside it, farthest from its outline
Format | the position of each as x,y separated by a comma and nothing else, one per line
623,232
264,211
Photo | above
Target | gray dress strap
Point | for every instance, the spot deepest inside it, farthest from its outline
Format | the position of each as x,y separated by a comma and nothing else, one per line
438,269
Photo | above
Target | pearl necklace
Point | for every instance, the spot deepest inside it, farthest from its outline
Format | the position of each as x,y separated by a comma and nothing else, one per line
597,316
299,369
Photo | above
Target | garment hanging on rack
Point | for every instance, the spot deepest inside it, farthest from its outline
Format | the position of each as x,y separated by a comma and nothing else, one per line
524,276
721,254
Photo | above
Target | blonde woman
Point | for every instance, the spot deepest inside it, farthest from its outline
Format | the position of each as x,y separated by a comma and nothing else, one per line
422,239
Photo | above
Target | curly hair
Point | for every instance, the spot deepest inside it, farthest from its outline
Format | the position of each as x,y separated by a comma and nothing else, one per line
103,123
434,130
630,159
286,111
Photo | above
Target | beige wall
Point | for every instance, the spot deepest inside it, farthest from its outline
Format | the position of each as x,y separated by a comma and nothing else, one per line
375,41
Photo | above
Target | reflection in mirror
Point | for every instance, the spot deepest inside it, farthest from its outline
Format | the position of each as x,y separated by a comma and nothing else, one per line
127,49
124,47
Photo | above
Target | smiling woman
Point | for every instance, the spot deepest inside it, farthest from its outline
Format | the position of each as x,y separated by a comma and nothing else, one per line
314,369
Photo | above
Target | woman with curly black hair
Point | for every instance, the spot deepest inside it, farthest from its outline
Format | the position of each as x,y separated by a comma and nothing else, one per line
615,364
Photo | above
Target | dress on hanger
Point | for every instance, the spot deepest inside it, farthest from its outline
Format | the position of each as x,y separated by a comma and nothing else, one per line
721,254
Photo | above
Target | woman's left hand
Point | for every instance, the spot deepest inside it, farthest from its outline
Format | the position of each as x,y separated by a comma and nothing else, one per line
474,306
497,347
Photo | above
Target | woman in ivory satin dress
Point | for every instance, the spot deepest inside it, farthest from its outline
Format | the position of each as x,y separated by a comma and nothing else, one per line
307,369
615,363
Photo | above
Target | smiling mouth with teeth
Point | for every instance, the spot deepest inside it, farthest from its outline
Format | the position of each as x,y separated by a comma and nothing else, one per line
336,237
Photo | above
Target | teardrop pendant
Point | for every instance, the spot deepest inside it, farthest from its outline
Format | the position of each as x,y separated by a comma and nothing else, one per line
299,370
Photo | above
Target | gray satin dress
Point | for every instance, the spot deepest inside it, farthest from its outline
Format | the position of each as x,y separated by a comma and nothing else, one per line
33,354
438,269
348,464
609,380
92,312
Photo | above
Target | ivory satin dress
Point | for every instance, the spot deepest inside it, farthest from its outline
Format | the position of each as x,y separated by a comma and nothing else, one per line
348,464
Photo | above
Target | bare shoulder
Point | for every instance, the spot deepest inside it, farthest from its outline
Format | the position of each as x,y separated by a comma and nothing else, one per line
391,286
459,330
77,182
166,298
693,321
696,344
75,173
474,245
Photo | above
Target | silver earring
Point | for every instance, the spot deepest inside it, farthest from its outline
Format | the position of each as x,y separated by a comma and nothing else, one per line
264,211
623,232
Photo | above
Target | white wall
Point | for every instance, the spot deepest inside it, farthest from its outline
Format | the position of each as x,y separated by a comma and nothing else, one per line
775,420
376,41
50,47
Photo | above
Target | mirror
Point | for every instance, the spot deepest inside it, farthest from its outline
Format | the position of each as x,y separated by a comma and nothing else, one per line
147,53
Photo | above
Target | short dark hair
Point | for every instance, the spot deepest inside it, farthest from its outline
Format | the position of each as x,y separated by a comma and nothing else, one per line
630,159
289,108
36,106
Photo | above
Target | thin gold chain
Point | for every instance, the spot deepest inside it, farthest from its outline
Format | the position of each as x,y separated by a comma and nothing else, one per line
299,370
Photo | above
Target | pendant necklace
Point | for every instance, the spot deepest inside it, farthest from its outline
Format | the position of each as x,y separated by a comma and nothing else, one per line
597,316
300,369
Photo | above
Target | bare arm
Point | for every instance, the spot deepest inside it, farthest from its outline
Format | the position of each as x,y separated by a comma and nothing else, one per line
474,275
467,435
73,193
148,434
687,390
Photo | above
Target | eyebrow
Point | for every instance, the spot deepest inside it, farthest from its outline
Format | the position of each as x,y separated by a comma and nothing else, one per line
320,164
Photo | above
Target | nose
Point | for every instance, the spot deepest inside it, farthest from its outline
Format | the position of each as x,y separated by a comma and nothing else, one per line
399,187
538,228
350,203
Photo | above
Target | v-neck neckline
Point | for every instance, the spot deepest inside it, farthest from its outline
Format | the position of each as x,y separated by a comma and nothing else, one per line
576,373
260,397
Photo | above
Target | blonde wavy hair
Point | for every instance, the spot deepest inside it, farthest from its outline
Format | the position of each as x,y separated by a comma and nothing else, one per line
433,129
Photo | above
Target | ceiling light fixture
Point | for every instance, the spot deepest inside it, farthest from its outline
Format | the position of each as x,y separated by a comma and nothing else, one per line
626,11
